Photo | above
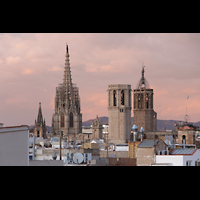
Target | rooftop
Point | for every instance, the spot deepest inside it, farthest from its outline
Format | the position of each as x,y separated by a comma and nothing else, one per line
186,151
148,143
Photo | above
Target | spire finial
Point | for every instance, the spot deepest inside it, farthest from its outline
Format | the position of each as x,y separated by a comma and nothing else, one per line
67,48
143,72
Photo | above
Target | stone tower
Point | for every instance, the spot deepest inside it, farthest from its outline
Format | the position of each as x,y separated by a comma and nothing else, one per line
119,113
144,114
40,125
67,117
97,129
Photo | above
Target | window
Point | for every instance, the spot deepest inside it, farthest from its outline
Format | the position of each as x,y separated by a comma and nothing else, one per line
188,163
122,97
114,98
38,133
141,101
71,120
62,122
183,139
147,101
138,101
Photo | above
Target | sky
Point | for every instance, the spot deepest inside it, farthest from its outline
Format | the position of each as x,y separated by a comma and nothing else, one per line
32,66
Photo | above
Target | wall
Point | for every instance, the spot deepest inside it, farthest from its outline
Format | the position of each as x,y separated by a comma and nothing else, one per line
14,146
193,158
190,139
119,116
176,160
122,162
117,154
145,156
46,163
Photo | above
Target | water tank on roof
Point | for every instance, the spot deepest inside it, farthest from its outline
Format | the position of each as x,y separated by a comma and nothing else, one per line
134,128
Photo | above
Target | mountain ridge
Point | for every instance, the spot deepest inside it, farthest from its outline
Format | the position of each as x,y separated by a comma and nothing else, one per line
162,125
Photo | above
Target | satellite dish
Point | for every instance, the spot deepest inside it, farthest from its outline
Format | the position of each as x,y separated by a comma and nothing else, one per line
78,158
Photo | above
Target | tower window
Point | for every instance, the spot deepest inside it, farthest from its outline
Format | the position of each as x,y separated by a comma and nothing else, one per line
152,100
138,101
122,97
147,101
114,98
71,120
38,133
183,138
62,122
141,101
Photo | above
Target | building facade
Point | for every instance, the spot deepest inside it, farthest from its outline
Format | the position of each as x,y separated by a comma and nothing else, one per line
144,114
97,129
40,125
67,117
119,113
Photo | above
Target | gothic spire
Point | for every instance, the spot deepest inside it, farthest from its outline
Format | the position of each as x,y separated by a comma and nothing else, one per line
40,118
67,81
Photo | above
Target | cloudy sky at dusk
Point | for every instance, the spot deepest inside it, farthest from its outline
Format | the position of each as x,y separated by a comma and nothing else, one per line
32,66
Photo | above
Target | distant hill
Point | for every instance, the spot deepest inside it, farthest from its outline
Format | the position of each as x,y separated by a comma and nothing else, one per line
162,125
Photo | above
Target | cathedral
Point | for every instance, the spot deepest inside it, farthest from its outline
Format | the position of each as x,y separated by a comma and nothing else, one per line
67,117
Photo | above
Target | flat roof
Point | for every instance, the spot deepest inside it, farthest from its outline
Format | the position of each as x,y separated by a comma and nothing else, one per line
13,128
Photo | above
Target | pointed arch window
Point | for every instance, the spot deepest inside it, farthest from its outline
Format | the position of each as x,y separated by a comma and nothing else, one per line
139,101
147,101
114,98
71,120
62,122
122,97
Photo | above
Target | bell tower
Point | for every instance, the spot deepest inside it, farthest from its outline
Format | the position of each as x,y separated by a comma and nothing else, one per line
119,113
144,114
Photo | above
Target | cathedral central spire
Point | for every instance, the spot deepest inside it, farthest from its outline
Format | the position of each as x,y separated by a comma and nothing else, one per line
67,116
67,80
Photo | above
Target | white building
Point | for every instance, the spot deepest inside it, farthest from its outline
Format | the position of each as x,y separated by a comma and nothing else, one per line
14,146
121,147
180,157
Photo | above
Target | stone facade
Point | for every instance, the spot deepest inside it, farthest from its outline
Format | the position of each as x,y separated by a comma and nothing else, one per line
97,129
147,155
144,114
67,117
189,136
119,113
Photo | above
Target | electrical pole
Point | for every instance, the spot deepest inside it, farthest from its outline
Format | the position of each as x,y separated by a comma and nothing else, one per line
60,145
